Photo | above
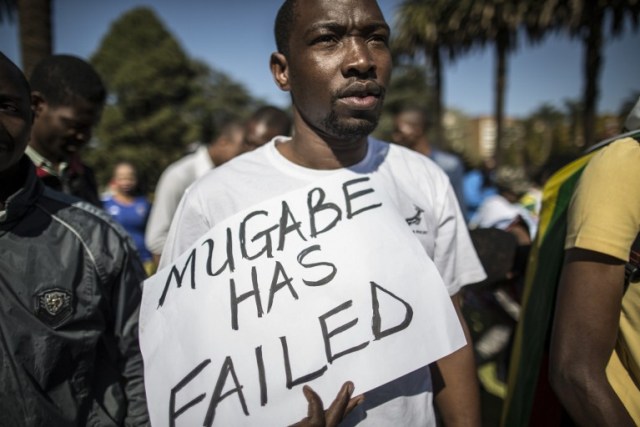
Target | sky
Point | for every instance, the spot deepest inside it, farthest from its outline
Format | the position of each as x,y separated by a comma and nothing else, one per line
236,37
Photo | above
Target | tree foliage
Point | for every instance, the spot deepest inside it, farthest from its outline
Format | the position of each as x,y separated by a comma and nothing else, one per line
456,26
160,100
585,20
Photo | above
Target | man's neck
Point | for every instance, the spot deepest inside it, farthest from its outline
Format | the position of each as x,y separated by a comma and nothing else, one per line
423,147
311,150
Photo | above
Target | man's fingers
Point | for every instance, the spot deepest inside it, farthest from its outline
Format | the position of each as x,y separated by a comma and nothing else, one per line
338,408
353,402
315,411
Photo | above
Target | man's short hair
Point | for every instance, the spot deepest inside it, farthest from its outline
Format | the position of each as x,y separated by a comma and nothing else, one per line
23,80
232,125
63,78
284,25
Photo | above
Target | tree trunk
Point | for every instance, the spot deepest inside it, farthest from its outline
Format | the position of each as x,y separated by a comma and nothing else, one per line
437,98
36,38
7,11
501,73
593,66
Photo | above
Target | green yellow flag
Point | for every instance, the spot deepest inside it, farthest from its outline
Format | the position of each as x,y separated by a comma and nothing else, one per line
529,400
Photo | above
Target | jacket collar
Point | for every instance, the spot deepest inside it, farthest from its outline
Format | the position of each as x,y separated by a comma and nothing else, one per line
22,200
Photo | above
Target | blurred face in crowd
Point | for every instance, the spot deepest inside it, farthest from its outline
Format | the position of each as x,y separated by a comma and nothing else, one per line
15,115
230,144
60,131
125,179
407,128
257,134
337,68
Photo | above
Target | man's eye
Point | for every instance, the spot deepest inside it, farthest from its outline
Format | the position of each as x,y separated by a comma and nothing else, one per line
324,39
380,38
9,107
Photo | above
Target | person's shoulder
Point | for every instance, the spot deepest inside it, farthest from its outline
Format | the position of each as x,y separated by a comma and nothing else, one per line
623,147
180,163
107,199
142,200
623,153
447,155
416,162
245,163
447,160
81,217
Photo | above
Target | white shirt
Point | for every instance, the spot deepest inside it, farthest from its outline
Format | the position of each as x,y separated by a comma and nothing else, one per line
171,186
422,194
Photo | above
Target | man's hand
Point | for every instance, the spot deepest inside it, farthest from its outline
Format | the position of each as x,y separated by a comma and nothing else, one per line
341,406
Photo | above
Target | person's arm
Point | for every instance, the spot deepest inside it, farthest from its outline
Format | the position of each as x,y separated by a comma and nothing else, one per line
125,305
168,193
317,416
584,334
455,383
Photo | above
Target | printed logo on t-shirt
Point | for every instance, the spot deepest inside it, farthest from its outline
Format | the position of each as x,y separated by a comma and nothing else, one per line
416,221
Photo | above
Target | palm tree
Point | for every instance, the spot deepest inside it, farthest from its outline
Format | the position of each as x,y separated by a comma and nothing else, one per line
587,24
574,115
458,26
7,9
36,38
35,28
499,21
585,20
421,26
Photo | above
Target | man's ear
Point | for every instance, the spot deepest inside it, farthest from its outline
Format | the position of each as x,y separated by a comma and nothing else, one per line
280,70
38,103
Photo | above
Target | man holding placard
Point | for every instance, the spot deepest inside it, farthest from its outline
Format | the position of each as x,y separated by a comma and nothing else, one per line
317,259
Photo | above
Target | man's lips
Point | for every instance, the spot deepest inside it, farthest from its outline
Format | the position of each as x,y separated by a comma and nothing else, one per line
361,96
361,90
361,102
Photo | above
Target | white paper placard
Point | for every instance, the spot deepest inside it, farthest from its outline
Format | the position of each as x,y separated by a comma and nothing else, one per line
320,286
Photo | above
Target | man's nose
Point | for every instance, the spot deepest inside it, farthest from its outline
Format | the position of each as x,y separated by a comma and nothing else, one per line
82,134
359,59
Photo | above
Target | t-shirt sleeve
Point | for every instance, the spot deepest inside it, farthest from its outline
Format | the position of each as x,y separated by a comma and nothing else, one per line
604,213
168,193
188,225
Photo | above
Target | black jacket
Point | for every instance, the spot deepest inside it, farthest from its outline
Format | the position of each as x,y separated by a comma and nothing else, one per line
69,298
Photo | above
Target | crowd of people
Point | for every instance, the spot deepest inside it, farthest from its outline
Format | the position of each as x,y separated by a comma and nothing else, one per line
74,255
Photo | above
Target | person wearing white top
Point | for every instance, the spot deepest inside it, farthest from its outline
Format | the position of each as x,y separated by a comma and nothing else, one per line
334,59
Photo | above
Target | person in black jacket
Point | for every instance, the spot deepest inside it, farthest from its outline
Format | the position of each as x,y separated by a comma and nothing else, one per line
69,294
67,98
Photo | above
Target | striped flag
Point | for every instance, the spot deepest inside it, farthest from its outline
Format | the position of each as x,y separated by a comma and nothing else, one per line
530,400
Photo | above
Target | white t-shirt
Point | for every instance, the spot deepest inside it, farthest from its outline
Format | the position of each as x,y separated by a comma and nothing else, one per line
171,185
422,194
498,212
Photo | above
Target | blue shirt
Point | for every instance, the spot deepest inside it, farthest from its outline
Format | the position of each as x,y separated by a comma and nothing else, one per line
133,218
453,167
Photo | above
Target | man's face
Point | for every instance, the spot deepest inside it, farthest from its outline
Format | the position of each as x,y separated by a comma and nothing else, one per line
231,145
339,66
60,131
15,115
258,134
407,128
